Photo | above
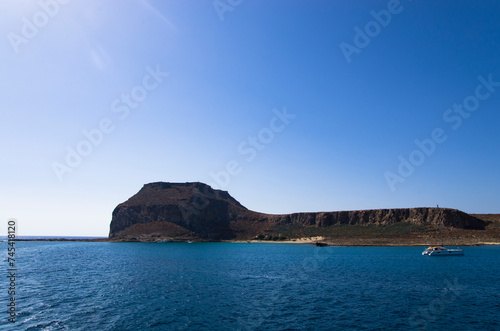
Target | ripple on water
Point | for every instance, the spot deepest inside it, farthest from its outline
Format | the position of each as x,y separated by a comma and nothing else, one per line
103,286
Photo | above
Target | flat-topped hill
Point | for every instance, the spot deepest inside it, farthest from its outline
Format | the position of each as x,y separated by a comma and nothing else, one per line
178,209
195,211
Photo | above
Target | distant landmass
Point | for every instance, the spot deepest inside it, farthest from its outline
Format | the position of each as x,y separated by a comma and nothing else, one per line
194,211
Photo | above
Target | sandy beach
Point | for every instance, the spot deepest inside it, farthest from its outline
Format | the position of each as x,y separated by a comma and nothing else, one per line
305,240
369,242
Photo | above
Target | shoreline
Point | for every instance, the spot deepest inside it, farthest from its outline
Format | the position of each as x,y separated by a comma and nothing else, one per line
341,242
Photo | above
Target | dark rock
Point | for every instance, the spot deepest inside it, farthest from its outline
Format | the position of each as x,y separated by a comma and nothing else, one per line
196,207
195,210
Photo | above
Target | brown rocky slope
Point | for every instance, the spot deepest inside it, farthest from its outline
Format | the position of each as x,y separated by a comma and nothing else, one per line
195,211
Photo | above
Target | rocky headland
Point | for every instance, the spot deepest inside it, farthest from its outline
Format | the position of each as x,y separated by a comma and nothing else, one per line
194,211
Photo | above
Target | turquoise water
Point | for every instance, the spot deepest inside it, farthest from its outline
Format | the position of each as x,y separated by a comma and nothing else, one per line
225,286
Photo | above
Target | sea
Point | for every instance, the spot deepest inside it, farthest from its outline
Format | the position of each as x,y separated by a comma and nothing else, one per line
248,286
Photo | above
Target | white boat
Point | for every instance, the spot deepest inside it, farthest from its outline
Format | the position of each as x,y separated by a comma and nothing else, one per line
441,250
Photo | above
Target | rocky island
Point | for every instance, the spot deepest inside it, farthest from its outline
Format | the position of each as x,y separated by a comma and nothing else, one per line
194,211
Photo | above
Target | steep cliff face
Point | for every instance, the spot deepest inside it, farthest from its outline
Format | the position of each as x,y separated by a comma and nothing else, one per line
450,218
196,207
195,210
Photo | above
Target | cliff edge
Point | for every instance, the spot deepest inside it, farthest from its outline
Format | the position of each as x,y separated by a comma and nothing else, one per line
195,211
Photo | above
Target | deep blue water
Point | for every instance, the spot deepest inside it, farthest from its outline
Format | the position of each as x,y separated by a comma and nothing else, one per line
225,286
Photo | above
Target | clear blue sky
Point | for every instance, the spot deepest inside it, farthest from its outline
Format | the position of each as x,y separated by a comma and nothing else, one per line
305,105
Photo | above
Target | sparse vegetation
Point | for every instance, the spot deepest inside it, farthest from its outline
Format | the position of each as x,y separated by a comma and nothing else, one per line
279,237
358,231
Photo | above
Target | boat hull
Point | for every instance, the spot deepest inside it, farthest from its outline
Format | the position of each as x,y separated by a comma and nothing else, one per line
442,251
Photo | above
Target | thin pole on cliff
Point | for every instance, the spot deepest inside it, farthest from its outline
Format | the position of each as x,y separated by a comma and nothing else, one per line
440,226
